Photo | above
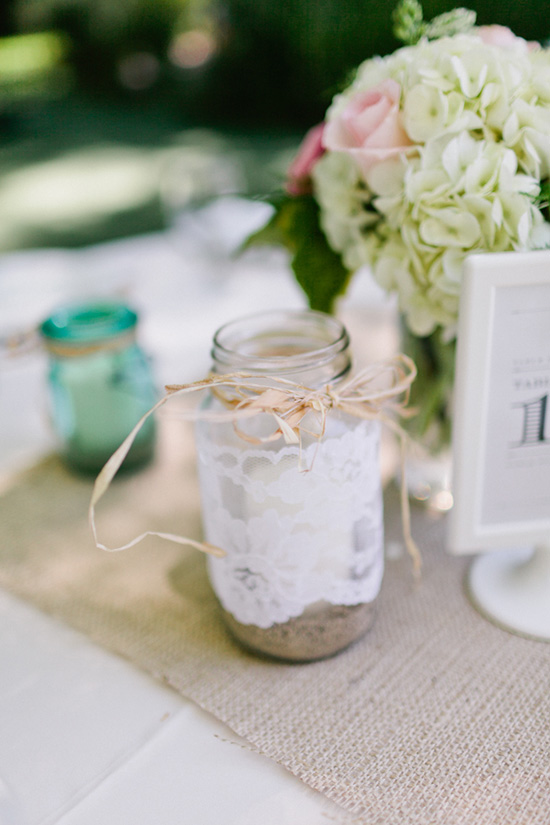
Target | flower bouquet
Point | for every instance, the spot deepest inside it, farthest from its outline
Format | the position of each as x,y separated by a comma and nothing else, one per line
431,153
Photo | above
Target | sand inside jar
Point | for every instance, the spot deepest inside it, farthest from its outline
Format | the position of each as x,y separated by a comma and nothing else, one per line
320,631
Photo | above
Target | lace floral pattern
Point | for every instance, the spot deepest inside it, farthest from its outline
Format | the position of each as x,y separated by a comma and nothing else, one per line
297,529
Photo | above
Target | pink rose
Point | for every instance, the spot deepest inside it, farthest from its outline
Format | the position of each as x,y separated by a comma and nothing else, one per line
299,173
369,128
503,36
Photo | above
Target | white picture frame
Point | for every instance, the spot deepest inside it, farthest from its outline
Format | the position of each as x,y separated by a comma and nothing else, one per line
501,416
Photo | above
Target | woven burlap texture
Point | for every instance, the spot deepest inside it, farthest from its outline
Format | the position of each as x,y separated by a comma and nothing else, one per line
436,717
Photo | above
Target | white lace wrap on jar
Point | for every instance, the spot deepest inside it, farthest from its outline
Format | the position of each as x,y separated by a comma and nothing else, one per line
292,537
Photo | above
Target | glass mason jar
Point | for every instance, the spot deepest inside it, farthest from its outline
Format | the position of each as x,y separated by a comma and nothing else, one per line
100,383
302,527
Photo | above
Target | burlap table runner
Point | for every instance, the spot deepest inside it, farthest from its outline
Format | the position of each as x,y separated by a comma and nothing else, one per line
436,717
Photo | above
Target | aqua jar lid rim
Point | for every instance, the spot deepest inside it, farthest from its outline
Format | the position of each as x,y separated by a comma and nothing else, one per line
90,321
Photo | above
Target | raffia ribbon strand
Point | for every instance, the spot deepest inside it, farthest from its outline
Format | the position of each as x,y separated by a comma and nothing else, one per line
245,396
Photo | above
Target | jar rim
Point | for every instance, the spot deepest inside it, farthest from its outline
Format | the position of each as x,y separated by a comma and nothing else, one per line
89,322
317,337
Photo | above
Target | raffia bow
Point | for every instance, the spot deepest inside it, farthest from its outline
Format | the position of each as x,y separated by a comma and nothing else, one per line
378,391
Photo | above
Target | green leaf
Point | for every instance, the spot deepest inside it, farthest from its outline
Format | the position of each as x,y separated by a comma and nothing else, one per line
318,269
408,24
457,21
431,392
269,235
542,201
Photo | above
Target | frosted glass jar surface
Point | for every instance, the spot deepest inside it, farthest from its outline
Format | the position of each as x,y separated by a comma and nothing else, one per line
100,383
302,527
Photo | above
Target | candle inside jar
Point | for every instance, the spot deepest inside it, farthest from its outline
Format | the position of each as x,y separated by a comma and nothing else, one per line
100,383
294,538
282,488
97,401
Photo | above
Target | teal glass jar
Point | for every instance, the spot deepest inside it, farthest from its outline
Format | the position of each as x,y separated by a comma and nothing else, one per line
100,383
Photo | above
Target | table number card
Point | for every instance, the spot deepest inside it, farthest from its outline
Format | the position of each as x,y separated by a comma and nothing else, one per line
501,442
517,448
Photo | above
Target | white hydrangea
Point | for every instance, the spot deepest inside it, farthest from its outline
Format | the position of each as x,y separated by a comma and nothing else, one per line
479,116
343,197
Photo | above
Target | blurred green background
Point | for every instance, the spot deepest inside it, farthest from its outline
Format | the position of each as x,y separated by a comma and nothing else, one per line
114,114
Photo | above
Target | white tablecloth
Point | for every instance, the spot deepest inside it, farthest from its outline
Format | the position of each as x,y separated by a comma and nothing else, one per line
86,738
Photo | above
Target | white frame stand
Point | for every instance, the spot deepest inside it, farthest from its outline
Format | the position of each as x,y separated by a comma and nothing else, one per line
511,587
